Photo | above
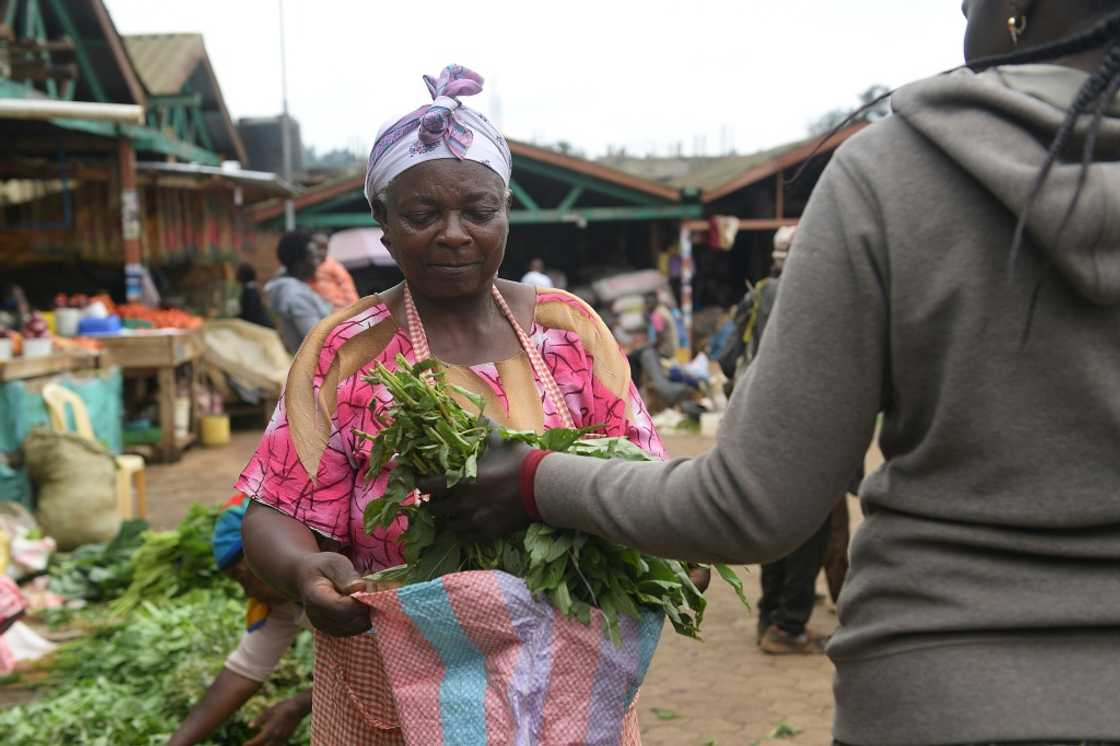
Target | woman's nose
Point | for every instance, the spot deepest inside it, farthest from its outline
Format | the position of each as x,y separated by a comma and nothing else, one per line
454,233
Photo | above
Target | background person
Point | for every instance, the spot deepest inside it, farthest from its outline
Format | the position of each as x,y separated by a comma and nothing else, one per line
332,281
536,275
977,608
297,307
272,623
252,304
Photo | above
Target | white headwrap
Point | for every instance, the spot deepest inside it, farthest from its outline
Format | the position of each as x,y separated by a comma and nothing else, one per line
442,129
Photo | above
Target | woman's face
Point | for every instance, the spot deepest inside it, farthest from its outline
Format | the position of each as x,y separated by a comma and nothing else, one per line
446,224
987,34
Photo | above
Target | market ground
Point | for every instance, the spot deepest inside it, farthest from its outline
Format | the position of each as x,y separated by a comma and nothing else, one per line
722,692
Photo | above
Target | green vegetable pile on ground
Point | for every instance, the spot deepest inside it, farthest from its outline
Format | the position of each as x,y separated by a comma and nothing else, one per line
137,676
97,572
426,432
170,563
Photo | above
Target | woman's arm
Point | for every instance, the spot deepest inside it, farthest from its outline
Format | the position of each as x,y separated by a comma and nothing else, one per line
286,554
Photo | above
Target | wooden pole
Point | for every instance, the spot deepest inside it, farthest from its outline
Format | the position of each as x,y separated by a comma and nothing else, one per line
686,288
130,218
780,195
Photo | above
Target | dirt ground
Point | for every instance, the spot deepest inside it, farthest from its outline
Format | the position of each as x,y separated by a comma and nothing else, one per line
720,692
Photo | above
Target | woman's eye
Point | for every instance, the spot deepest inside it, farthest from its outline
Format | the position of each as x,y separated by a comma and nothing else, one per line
420,218
480,215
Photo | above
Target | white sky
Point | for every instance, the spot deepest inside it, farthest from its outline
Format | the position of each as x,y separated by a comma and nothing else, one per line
645,74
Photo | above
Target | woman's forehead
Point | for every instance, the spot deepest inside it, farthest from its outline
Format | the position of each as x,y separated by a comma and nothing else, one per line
447,179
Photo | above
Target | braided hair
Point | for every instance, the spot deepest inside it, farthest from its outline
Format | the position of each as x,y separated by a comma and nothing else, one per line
1093,99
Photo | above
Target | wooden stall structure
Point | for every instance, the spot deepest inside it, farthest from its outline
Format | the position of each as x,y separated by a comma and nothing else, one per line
165,354
118,155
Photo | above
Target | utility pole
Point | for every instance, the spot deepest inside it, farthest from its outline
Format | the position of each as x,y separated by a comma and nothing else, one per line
286,126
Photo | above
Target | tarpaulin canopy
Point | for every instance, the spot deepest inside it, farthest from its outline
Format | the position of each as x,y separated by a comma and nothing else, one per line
359,247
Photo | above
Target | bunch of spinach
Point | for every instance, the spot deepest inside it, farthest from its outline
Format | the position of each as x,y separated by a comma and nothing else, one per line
426,432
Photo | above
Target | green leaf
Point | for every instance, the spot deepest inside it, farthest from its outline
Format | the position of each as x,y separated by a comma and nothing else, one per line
441,558
783,729
663,713
560,546
562,599
733,580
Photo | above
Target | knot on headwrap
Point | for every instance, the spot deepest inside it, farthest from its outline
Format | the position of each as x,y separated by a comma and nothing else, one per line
439,121
444,128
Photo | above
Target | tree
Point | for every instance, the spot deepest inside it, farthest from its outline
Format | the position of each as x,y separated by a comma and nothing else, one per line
874,104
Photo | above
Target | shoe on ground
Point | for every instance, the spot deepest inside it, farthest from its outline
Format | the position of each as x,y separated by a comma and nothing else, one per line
776,641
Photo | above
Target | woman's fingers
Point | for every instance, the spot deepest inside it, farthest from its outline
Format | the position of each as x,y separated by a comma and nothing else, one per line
327,581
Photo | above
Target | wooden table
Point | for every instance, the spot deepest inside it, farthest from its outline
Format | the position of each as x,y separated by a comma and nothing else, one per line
159,353
23,368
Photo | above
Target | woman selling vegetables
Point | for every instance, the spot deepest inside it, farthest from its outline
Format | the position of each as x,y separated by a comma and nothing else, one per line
437,181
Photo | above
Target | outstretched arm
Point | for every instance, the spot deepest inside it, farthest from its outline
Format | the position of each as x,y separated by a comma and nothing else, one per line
795,429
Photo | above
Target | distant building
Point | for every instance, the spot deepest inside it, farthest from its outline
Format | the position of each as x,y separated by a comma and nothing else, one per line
264,143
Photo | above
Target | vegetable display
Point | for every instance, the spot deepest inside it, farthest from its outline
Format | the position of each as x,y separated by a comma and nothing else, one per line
133,680
426,432
97,572
170,563
132,683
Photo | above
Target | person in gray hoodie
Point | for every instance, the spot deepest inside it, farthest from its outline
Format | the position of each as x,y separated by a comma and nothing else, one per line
958,270
296,306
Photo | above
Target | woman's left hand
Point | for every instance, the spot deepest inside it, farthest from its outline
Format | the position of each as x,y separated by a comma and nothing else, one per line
489,506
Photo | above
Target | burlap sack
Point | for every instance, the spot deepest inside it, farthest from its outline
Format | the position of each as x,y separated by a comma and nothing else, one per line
76,487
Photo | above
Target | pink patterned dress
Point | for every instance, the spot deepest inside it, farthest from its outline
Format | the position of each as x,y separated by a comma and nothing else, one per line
311,465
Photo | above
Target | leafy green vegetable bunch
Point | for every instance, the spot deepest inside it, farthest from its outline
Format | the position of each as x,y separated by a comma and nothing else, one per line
171,563
426,432
97,572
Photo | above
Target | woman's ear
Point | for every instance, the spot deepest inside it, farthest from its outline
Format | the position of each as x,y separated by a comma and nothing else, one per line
509,200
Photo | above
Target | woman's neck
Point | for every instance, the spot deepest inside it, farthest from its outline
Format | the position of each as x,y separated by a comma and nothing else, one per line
458,315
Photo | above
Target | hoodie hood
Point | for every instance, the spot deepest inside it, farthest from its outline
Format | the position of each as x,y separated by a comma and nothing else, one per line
998,126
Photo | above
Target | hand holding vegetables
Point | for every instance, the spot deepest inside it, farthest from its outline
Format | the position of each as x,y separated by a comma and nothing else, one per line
427,434
501,511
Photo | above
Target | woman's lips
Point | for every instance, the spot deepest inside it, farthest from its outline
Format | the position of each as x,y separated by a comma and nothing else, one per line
454,268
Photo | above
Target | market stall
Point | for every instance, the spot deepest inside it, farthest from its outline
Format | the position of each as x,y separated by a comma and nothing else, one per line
172,359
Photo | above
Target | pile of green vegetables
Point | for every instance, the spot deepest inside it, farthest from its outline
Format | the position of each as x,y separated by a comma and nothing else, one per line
426,432
137,676
97,572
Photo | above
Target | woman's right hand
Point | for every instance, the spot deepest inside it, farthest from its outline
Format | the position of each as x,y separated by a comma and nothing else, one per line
325,581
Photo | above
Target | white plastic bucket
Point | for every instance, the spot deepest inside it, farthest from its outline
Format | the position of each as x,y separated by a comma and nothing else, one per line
66,321
37,347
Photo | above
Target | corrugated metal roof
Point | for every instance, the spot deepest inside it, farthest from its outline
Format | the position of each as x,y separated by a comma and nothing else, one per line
717,176
165,61
700,172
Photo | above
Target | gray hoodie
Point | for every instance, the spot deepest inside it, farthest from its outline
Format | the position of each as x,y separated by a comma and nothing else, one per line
297,308
983,602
